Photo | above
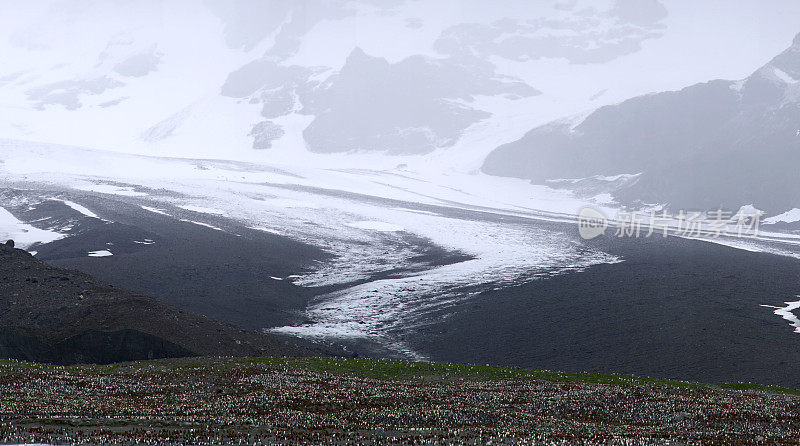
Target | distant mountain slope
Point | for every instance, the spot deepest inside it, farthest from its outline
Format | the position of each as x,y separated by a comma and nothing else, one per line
55,315
720,143
300,78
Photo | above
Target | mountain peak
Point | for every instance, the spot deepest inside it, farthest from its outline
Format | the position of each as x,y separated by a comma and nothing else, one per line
788,61
358,53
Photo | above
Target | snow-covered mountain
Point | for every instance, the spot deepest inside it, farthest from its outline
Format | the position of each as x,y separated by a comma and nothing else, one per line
720,143
284,80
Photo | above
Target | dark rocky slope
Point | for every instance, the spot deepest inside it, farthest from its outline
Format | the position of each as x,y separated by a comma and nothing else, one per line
49,314
721,143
